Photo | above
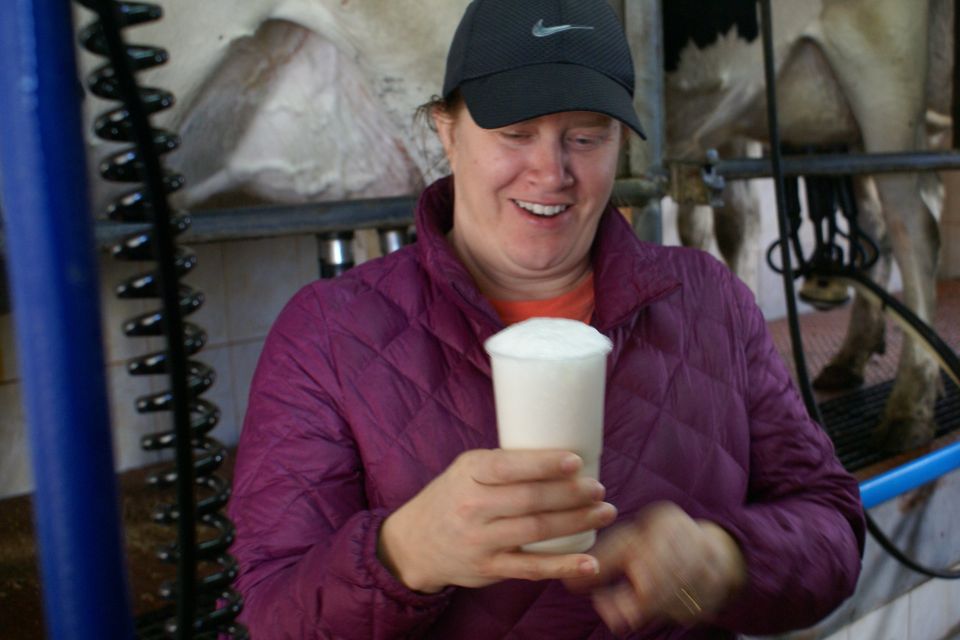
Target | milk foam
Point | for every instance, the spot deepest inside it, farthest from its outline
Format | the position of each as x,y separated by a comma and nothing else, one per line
548,339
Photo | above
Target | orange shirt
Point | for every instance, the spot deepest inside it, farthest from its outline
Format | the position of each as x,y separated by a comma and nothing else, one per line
575,305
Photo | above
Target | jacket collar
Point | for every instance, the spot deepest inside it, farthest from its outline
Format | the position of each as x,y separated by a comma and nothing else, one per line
626,274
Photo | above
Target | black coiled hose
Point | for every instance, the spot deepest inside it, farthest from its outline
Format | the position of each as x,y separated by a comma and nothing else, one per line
201,495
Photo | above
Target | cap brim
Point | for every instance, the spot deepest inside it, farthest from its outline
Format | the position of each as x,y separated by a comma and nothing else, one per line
537,90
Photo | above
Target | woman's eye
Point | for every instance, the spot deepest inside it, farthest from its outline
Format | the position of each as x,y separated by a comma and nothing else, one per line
585,141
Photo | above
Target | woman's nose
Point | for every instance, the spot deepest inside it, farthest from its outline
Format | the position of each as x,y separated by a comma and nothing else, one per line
550,167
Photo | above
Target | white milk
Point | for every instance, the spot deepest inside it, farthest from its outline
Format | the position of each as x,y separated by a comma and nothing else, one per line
548,385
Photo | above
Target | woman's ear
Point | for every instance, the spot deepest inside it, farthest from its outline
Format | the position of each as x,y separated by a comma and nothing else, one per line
445,125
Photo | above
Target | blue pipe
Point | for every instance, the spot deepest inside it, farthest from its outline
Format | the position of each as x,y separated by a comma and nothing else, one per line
54,285
909,476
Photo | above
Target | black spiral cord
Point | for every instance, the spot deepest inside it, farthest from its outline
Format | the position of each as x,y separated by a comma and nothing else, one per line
827,267
197,456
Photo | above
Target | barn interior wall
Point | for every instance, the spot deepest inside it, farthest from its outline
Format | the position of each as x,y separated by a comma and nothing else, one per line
927,612
950,227
245,284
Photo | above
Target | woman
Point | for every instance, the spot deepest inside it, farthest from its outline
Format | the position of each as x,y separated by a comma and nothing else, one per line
370,499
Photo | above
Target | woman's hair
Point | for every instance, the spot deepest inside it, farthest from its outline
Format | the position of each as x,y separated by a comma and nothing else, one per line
449,106
423,122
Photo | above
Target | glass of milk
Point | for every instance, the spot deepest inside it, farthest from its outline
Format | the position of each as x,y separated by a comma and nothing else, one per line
548,386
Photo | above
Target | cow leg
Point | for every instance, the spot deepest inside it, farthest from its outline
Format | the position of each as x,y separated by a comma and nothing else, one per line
880,46
737,227
908,416
866,329
695,225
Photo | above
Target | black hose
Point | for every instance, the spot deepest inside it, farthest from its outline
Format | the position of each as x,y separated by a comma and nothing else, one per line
776,158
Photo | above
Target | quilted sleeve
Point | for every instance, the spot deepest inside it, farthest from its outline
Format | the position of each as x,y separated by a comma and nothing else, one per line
306,540
802,528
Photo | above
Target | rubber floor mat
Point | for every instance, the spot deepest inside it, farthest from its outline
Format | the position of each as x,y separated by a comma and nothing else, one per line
850,419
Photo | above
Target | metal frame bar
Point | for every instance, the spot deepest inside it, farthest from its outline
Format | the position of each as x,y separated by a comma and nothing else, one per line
643,22
53,273
835,164
911,475
244,223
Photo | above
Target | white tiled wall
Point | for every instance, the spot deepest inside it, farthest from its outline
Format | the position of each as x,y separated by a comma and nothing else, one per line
8,356
245,284
931,611
842,634
935,610
259,277
243,360
14,462
950,227
891,622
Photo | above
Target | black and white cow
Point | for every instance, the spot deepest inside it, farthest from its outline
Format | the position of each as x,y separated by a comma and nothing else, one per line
306,100
857,73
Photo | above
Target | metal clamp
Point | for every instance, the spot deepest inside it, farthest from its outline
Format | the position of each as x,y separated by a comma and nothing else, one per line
697,183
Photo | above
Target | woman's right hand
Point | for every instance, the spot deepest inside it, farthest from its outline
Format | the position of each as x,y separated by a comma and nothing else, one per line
466,527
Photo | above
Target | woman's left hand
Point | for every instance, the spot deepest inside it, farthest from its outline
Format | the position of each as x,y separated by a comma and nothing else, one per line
665,564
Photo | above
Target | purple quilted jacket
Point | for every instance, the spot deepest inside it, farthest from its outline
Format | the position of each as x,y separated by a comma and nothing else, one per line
370,384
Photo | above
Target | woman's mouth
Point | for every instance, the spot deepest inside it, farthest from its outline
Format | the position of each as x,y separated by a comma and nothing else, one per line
543,210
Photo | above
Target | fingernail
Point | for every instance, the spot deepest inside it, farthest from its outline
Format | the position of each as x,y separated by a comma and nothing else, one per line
604,511
594,488
589,566
571,462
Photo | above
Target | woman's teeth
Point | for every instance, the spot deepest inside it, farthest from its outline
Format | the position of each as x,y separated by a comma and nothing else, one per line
542,209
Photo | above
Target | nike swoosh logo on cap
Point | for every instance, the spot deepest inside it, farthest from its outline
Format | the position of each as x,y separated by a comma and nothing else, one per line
541,31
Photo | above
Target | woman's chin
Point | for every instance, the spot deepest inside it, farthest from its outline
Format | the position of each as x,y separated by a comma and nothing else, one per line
537,266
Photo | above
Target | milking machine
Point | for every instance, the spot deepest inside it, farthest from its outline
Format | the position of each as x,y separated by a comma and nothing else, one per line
393,238
335,253
205,569
841,257
335,248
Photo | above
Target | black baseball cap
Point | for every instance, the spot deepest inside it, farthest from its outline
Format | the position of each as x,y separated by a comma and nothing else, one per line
514,60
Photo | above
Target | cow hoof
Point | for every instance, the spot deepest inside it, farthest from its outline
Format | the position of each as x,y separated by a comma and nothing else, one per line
837,378
899,435
824,294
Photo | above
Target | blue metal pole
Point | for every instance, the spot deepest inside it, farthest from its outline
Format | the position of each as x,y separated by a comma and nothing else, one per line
909,476
53,273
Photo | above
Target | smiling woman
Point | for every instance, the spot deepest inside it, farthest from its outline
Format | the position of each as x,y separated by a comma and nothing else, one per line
370,498
529,198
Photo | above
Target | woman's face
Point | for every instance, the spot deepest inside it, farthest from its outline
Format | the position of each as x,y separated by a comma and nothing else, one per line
528,196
